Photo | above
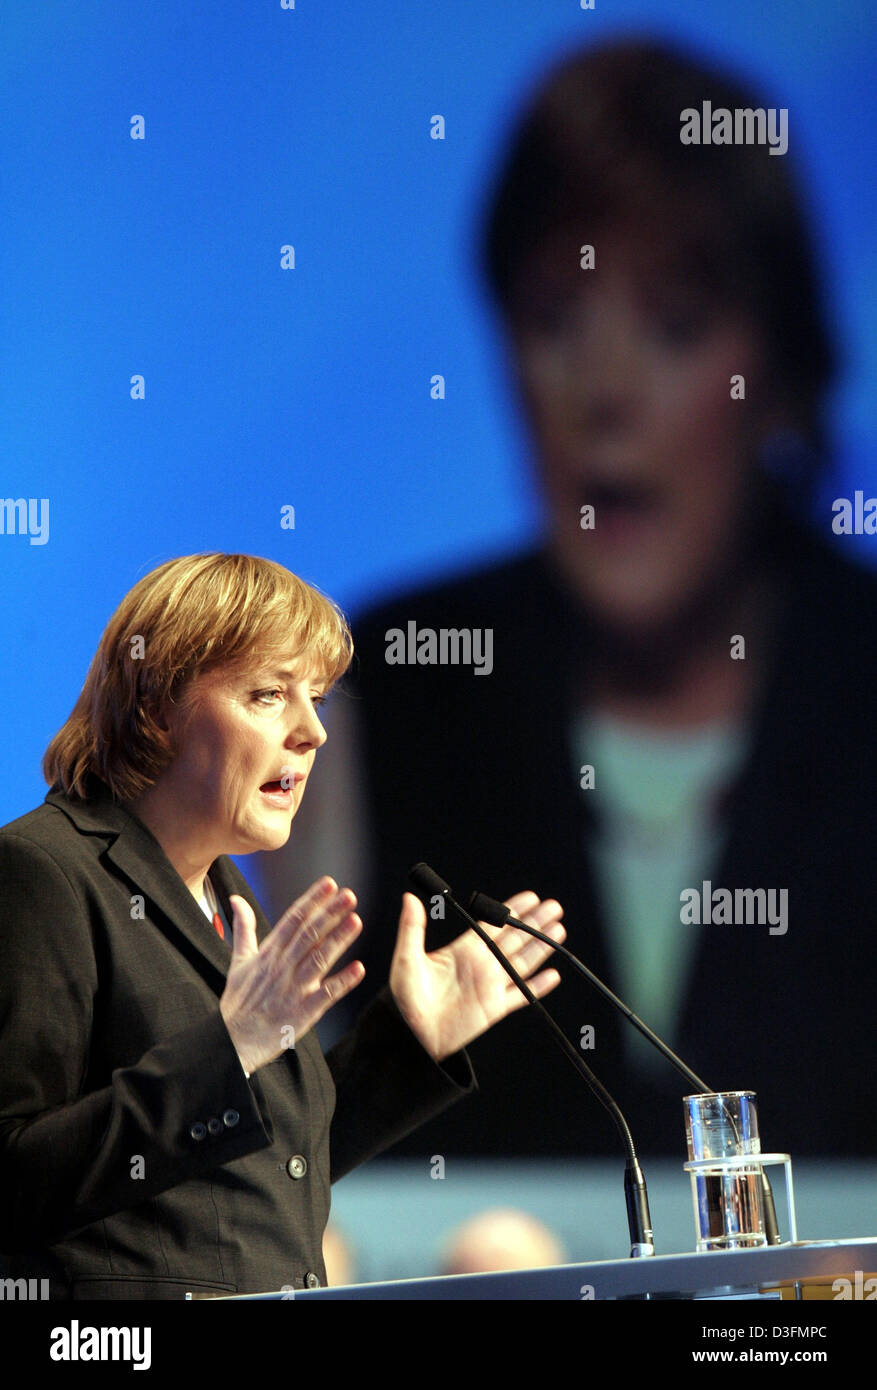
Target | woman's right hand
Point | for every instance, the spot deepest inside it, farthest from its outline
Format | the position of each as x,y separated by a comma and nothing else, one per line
276,992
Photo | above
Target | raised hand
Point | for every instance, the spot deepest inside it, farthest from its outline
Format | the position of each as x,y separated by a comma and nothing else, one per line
456,993
276,992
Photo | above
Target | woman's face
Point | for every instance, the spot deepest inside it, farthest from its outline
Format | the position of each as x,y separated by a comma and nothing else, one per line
626,380
246,741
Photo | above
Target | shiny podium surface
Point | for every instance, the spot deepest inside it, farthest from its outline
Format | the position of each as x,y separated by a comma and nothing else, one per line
806,1270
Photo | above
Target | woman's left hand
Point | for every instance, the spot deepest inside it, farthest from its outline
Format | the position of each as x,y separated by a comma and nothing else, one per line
456,993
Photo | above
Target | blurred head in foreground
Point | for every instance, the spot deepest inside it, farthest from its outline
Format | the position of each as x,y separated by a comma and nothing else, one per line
500,1239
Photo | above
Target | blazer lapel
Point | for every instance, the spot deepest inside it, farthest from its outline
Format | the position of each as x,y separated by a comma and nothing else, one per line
226,879
135,850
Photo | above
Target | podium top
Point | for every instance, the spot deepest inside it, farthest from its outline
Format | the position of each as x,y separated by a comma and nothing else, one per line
712,1274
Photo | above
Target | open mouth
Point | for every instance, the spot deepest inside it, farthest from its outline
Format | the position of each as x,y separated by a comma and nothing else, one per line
623,510
277,793
622,499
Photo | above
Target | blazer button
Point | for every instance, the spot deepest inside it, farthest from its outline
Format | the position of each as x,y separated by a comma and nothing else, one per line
297,1166
230,1118
198,1131
312,1281
215,1126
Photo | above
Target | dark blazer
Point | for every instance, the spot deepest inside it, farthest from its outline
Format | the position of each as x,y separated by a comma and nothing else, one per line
475,775
136,1159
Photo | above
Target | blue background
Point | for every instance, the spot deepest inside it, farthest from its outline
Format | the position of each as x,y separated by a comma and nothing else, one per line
310,387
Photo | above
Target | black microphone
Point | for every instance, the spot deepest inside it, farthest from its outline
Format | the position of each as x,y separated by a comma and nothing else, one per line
498,915
428,884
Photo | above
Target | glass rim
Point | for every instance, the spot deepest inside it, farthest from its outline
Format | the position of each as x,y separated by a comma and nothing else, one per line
716,1095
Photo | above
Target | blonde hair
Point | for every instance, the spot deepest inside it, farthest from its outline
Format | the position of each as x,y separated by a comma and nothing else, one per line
187,617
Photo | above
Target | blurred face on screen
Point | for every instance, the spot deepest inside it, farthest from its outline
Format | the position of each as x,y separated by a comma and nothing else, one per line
626,376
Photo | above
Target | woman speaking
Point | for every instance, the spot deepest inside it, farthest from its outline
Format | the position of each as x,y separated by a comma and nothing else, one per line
168,1121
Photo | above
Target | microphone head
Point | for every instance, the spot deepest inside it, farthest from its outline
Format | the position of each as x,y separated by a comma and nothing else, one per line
485,909
426,882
